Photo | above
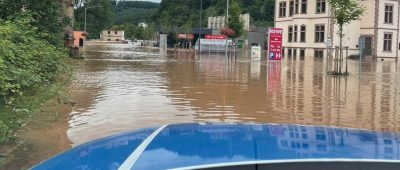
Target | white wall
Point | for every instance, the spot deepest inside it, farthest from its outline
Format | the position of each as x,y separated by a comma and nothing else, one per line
387,28
352,31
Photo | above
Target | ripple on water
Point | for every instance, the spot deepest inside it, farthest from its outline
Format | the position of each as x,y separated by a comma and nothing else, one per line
130,88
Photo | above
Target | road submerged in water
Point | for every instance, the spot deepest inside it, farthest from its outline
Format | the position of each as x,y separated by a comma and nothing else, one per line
119,88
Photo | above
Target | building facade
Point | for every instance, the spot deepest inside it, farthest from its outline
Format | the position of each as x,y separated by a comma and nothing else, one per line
112,35
309,29
218,22
79,38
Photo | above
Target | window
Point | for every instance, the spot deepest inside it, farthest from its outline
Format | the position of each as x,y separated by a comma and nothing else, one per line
290,52
291,8
282,9
294,53
296,7
304,6
293,145
320,137
387,42
295,33
302,53
306,146
303,33
116,32
290,34
318,53
322,148
283,52
109,32
304,136
321,6
388,14
387,142
320,33
285,143
388,150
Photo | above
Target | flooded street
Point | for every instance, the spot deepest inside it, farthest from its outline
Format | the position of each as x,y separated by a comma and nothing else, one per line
119,88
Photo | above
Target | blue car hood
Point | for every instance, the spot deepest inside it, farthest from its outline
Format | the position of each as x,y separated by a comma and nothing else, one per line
196,145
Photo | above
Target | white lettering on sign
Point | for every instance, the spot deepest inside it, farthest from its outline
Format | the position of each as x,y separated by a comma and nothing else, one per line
275,31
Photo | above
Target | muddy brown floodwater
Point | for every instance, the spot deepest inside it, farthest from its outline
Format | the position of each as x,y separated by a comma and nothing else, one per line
120,88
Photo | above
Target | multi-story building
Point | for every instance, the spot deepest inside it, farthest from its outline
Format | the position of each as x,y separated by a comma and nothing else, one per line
309,28
109,35
218,22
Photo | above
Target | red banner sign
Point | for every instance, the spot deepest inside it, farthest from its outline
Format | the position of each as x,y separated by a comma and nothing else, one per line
185,36
216,37
275,44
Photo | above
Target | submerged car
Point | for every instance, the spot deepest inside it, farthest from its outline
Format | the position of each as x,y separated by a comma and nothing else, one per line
235,146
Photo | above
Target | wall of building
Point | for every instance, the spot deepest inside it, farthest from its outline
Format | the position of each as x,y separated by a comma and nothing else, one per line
78,35
109,35
368,19
218,22
370,24
350,38
309,19
387,28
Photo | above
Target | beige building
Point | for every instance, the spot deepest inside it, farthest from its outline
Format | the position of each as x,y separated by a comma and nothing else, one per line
112,35
218,22
310,31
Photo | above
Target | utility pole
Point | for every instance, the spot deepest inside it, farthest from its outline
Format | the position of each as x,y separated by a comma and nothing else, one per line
85,19
86,13
226,26
227,12
200,31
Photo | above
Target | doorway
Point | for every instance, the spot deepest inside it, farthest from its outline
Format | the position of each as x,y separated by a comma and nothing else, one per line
368,46
81,42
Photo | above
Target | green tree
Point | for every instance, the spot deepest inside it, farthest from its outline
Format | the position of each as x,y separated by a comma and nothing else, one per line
99,17
48,16
345,11
133,12
234,19
182,12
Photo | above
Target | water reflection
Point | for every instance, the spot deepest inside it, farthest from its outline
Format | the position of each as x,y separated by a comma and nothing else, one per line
213,143
138,87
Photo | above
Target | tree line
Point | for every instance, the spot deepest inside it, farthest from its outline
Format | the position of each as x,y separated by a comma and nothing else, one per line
168,13
187,12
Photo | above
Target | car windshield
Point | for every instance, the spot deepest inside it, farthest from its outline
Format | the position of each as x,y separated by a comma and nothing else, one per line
325,72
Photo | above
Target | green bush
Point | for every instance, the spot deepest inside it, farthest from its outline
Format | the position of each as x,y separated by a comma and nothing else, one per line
28,62
26,59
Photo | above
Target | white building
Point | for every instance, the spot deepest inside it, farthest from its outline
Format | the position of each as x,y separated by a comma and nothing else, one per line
309,29
218,22
143,25
309,140
112,35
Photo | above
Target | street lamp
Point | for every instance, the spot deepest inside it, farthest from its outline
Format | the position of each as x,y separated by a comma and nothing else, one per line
86,12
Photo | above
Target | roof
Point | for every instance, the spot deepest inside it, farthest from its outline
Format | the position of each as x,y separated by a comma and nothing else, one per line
191,146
